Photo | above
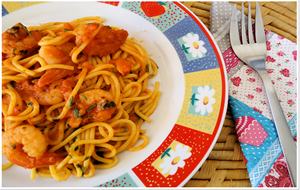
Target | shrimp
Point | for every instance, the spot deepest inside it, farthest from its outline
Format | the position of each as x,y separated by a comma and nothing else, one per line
26,146
47,95
19,41
106,41
56,55
95,106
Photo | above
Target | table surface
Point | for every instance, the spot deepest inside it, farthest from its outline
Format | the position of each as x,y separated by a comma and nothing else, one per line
225,166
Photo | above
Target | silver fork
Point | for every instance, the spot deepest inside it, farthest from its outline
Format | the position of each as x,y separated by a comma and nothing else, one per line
254,55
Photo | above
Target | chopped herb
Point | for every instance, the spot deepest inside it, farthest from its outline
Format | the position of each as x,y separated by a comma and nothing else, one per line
107,26
66,30
113,104
55,86
14,51
44,90
13,146
93,23
139,73
70,169
138,117
71,102
24,52
30,104
74,139
17,104
56,120
70,155
26,29
23,127
15,28
76,112
86,158
92,106
76,148
147,68
83,96
51,128
107,105
80,167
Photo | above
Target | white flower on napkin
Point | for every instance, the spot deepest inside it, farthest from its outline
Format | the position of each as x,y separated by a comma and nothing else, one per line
176,159
194,45
205,100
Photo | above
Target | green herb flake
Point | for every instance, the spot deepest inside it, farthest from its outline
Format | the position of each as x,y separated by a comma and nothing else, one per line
147,68
26,29
55,86
92,106
71,102
76,148
83,96
56,120
76,112
13,146
80,167
86,158
66,30
70,155
14,51
70,169
30,104
113,104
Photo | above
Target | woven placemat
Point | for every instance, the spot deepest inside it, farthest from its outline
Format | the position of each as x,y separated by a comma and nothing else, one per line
225,166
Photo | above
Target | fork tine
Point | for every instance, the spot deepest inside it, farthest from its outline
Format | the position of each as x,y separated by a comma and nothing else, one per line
250,32
259,26
234,29
244,38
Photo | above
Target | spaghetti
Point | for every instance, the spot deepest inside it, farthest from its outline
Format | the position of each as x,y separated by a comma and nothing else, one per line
74,95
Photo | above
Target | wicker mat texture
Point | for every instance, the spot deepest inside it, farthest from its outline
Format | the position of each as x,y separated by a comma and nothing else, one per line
225,166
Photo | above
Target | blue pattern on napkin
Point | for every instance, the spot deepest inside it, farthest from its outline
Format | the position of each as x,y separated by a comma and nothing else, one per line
260,159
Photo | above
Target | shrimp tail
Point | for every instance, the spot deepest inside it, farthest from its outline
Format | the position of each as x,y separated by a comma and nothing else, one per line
20,158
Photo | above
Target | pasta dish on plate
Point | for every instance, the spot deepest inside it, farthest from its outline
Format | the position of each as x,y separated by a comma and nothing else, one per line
74,95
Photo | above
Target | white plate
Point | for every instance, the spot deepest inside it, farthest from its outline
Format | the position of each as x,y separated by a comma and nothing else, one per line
171,115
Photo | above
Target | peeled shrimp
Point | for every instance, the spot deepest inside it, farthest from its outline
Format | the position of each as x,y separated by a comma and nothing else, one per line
26,146
47,95
99,105
56,55
18,41
105,42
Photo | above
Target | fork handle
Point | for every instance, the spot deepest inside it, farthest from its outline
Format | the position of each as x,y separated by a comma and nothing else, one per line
285,137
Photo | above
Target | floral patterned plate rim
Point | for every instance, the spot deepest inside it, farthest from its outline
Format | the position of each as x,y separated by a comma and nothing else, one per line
193,105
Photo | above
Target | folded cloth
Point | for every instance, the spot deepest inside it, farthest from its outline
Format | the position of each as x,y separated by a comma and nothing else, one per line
249,104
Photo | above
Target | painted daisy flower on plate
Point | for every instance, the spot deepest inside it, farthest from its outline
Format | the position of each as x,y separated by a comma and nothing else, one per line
204,100
194,45
175,159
